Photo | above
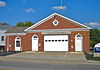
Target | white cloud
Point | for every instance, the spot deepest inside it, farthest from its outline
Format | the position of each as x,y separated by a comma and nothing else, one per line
92,24
29,10
59,7
2,3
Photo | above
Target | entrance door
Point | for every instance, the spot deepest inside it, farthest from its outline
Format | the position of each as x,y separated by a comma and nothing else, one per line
78,43
35,43
56,43
18,44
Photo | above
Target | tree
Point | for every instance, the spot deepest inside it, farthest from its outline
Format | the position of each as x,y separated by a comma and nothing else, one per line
4,24
22,24
94,37
28,23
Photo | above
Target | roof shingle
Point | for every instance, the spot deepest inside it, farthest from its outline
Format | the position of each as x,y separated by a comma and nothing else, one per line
16,29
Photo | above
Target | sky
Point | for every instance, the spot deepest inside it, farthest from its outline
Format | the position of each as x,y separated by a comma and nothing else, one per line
84,11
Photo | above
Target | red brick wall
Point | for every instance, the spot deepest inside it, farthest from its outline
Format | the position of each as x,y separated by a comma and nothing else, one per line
86,40
63,24
41,40
26,41
11,41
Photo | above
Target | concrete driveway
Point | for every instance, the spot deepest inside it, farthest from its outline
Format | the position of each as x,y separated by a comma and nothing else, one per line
39,55
52,56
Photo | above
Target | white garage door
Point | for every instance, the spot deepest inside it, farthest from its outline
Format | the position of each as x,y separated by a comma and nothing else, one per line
56,43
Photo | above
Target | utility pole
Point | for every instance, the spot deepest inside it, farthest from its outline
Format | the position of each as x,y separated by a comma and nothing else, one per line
62,6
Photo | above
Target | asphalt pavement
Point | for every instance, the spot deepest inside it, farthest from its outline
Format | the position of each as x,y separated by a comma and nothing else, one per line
8,65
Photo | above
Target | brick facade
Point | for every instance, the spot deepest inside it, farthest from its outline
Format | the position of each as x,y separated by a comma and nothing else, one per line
86,40
63,24
26,40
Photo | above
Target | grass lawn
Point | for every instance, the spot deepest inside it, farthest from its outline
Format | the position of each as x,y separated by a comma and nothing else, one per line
97,58
90,56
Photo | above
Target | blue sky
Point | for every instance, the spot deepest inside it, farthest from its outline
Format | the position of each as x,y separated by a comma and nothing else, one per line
83,11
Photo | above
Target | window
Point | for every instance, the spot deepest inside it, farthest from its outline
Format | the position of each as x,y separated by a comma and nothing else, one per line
55,22
45,40
55,40
2,38
18,42
18,38
35,36
59,40
49,40
66,40
62,40
78,36
52,40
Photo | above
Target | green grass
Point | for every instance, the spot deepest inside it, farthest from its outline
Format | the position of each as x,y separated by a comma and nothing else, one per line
89,57
97,58
5,53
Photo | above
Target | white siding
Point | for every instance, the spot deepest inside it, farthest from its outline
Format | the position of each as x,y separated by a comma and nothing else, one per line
2,43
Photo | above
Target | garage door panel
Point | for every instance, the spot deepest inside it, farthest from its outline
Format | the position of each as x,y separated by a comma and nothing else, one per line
56,43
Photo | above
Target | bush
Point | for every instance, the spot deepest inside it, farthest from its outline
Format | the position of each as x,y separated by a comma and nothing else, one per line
97,58
89,57
5,53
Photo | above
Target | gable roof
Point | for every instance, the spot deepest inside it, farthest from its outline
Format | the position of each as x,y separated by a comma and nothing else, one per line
15,29
52,15
2,27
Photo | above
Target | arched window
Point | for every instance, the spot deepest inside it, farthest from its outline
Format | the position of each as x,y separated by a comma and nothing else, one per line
18,42
78,36
35,37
